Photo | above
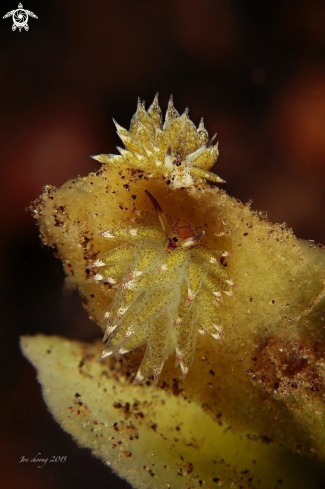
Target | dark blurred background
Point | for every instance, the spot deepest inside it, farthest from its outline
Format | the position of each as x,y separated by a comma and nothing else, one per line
255,71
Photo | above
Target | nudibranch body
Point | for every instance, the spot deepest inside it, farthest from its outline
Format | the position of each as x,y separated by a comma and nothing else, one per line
168,288
176,151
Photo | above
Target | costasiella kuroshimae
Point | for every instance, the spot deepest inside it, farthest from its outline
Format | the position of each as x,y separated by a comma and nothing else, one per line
168,288
173,151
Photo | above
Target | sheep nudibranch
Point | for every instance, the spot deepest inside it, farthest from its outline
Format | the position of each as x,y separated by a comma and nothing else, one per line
176,151
168,289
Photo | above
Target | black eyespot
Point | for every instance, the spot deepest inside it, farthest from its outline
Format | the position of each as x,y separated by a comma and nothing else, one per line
223,261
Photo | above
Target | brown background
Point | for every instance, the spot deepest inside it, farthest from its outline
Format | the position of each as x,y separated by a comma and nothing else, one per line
255,70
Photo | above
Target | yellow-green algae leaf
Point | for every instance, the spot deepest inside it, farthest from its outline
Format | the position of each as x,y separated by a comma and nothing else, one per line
153,438
266,373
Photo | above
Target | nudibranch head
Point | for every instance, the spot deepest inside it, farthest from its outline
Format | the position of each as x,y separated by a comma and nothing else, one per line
167,289
175,150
